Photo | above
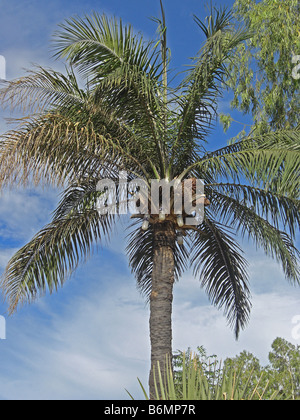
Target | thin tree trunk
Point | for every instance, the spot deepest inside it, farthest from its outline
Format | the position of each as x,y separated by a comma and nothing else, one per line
161,298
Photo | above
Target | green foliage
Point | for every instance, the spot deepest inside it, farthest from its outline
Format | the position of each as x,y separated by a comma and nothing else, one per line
226,121
209,365
261,72
278,380
217,260
204,382
284,368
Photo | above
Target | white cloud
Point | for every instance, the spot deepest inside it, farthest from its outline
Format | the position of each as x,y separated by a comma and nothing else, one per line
24,211
5,255
19,61
271,317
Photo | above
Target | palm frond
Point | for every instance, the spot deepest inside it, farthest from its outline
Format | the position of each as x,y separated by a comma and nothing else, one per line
98,45
217,259
201,87
42,89
275,243
55,252
54,149
46,92
77,198
281,211
124,70
270,161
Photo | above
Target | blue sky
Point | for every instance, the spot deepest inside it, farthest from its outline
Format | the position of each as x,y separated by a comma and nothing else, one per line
90,340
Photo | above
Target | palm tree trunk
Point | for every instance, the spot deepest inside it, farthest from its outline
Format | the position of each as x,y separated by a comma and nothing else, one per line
161,298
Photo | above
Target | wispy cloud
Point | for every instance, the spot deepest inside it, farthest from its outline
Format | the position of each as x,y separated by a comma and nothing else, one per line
24,211
5,255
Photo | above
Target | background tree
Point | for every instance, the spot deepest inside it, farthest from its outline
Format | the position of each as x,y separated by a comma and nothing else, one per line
122,115
261,74
281,377
284,371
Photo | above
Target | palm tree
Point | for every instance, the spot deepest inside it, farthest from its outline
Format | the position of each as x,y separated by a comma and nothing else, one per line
127,117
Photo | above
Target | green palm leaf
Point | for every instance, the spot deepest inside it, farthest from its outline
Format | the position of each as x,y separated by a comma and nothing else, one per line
271,161
217,259
281,211
124,70
201,87
55,252
248,223
42,89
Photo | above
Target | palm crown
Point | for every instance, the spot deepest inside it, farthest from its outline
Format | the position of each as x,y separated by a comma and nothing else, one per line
127,117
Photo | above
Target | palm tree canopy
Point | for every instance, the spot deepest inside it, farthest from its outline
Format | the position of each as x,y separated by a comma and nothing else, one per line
114,110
